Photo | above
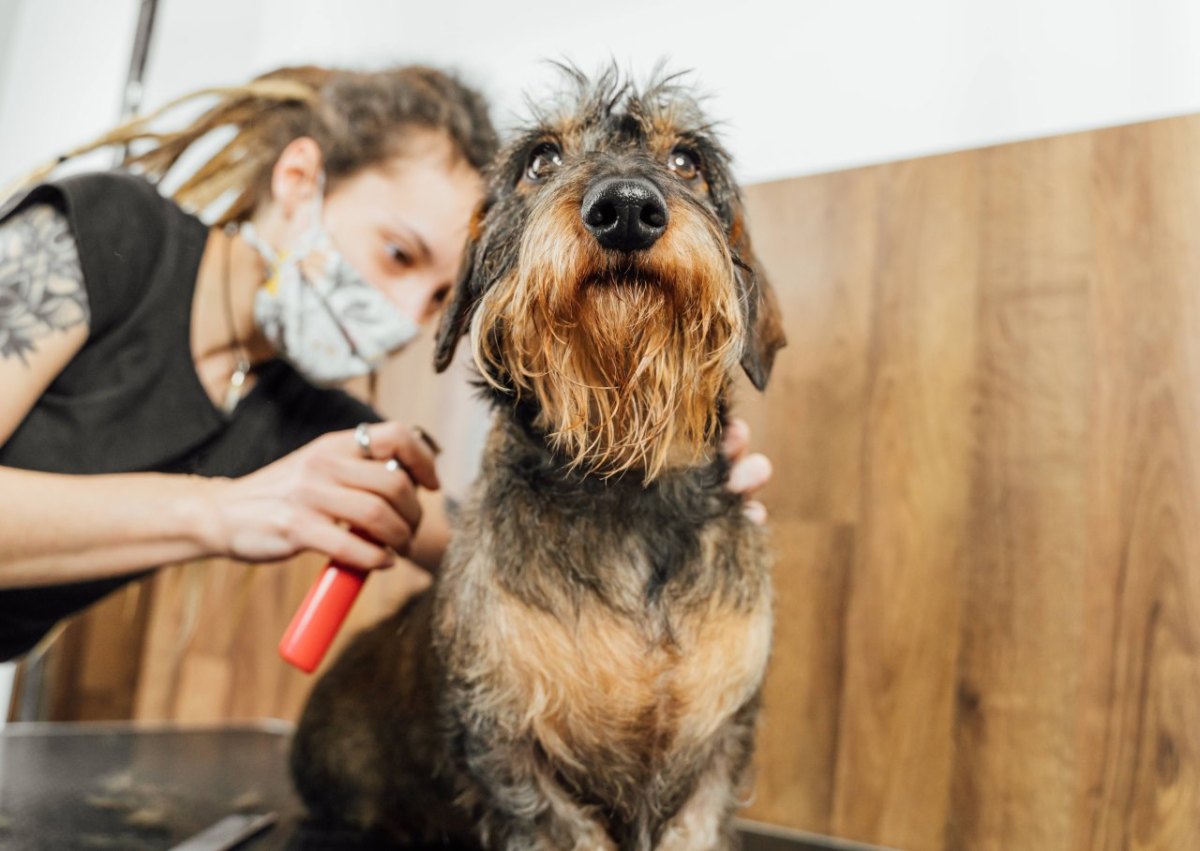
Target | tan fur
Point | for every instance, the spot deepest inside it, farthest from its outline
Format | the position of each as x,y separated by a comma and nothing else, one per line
698,826
605,360
599,686
597,641
586,685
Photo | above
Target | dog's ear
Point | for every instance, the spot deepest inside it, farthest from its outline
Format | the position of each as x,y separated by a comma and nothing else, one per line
467,290
764,324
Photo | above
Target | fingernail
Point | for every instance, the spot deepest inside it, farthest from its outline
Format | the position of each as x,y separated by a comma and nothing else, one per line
428,440
755,512
750,473
735,435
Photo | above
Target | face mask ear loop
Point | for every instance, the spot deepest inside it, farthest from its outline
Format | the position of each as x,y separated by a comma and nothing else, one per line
268,254
311,241
337,323
256,242
315,234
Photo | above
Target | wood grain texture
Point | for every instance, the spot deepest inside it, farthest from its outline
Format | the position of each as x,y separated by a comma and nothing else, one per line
986,432
994,378
1022,627
1140,744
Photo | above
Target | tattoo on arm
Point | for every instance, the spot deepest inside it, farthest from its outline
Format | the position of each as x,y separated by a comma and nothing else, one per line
41,283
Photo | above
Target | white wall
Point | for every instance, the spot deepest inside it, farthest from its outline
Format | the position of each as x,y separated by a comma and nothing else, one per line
62,68
9,10
814,85
804,86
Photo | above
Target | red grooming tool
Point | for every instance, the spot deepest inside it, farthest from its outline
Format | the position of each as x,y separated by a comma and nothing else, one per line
320,616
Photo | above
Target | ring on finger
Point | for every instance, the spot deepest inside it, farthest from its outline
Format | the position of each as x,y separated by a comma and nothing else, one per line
362,436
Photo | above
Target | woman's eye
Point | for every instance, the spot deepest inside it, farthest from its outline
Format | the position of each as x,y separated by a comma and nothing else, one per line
399,255
543,162
684,163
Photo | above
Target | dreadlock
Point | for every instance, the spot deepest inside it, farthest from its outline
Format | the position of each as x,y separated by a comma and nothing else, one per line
357,118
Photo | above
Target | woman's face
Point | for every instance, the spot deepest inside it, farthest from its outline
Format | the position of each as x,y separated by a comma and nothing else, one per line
402,225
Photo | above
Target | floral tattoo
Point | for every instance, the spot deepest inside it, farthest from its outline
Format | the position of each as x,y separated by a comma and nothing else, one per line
41,283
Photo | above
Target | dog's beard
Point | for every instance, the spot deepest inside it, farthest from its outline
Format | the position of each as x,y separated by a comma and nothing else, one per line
625,361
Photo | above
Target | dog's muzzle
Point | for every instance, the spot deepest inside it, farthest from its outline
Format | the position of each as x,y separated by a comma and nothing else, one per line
624,213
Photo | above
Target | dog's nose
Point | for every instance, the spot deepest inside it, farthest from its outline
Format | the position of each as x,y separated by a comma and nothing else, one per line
625,213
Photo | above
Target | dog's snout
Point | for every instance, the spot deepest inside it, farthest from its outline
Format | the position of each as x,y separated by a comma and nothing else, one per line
625,213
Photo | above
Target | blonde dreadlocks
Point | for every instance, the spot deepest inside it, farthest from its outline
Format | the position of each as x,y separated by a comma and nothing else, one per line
357,118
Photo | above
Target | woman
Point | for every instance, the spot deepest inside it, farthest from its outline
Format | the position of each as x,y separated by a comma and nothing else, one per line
184,368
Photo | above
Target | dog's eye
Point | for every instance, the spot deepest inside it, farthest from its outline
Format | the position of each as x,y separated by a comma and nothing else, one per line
543,162
684,163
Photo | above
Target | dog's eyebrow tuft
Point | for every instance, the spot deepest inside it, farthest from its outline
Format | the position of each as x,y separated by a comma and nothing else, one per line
629,127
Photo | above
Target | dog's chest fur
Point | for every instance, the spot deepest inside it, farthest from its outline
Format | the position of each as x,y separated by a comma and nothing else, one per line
625,624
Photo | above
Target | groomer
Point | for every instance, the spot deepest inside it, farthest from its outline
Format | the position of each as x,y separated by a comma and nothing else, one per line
167,388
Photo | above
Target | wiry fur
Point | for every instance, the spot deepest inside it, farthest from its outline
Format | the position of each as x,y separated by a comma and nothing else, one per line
604,361
585,672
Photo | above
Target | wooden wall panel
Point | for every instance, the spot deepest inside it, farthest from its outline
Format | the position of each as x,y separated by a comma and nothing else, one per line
902,625
1013,654
986,507
1141,740
1018,671
210,650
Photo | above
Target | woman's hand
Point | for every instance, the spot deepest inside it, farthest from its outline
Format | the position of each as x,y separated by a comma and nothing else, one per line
748,473
304,500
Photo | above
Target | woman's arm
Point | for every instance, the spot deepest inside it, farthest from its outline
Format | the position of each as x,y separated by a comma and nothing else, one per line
43,308
62,528
59,528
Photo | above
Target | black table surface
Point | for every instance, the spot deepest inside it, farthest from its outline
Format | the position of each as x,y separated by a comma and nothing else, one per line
147,788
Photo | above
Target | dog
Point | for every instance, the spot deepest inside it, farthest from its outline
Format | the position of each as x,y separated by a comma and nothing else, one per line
585,671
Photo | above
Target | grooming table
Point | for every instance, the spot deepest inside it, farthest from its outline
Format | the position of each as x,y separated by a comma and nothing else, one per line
148,787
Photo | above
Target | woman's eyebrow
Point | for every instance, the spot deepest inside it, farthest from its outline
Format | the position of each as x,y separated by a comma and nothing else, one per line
409,234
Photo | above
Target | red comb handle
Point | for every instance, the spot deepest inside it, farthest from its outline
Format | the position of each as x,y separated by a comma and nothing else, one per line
320,616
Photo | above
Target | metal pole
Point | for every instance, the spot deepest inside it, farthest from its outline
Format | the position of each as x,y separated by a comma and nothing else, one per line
131,100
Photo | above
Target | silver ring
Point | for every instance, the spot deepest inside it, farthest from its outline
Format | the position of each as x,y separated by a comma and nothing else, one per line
362,436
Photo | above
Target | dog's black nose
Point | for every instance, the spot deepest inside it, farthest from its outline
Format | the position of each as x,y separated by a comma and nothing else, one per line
625,213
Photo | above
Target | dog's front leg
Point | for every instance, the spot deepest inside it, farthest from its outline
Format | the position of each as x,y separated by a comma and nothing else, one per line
705,822
525,808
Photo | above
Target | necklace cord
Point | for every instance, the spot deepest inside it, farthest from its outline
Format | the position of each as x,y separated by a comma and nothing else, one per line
242,363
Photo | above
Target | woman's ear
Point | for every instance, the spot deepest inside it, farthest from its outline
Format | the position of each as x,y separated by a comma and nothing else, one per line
465,296
296,177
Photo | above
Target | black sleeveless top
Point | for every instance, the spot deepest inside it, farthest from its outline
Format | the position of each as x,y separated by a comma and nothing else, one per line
130,400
